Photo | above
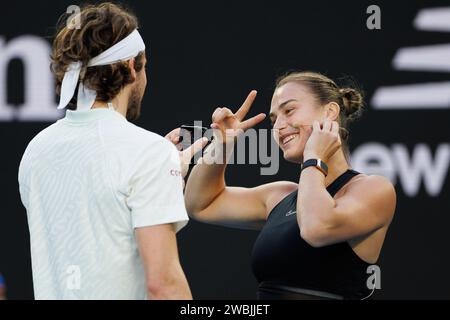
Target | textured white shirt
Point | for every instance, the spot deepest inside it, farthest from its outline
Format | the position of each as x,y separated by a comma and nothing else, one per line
87,181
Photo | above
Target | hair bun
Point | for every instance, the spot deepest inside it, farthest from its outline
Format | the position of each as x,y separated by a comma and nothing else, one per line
352,101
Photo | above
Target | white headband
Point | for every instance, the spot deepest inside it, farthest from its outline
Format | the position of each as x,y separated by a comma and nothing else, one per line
127,48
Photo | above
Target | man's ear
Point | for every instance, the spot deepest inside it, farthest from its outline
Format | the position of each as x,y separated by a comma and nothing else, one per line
132,70
332,111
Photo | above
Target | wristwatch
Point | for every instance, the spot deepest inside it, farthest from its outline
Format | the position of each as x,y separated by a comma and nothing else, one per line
317,163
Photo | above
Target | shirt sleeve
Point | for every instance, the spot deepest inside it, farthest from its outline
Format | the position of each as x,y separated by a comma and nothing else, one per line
156,190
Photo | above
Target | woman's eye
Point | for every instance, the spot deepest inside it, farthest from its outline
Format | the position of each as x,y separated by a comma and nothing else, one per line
288,111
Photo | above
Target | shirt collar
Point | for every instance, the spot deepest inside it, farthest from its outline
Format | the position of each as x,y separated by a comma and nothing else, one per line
91,115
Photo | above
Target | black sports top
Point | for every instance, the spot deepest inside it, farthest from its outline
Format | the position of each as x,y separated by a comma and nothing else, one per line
281,258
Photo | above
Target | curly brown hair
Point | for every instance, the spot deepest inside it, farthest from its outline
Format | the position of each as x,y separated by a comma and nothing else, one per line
102,26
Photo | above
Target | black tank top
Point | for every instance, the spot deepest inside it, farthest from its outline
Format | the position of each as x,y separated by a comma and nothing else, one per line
281,257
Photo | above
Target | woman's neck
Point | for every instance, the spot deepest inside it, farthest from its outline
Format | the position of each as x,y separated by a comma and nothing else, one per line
337,165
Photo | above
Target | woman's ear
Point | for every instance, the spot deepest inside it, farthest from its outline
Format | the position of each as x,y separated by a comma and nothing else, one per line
332,110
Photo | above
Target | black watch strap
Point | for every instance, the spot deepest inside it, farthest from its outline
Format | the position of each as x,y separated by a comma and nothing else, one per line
319,164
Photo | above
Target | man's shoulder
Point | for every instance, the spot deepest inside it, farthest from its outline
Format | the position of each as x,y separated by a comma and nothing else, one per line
35,147
142,134
44,134
141,139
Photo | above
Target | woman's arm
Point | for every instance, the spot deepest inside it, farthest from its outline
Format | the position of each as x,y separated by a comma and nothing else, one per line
367,204
207,197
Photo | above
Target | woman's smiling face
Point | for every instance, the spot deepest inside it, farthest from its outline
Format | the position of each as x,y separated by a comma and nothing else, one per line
292,112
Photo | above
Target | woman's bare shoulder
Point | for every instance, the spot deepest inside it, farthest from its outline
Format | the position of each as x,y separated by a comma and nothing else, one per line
374,189
277,191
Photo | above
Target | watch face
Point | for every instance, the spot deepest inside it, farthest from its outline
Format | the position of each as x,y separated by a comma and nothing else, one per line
324,166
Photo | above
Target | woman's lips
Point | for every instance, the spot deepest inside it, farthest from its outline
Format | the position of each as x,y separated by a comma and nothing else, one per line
285,140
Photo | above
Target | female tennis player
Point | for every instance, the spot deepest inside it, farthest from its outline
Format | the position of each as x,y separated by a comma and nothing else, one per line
322,233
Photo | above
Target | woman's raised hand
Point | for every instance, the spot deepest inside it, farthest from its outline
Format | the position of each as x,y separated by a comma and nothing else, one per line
230,125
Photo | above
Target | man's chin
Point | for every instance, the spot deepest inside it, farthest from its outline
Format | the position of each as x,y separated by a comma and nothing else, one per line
134,111
133,114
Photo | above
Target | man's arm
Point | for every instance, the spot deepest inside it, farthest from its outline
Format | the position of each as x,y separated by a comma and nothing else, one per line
159,253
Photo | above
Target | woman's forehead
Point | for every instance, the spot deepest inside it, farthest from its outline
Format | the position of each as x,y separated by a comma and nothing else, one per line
288,91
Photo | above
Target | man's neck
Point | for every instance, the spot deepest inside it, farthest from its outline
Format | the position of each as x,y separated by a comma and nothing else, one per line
120,104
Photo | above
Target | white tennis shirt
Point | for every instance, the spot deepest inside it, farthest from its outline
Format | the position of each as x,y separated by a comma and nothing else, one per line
87,181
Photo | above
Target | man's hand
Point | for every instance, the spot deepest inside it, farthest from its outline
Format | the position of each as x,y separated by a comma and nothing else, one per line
187,154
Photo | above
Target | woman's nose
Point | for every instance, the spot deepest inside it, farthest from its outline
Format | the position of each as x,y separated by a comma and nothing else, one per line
279,124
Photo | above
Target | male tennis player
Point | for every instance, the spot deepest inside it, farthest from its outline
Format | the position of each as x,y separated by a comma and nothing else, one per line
104,197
